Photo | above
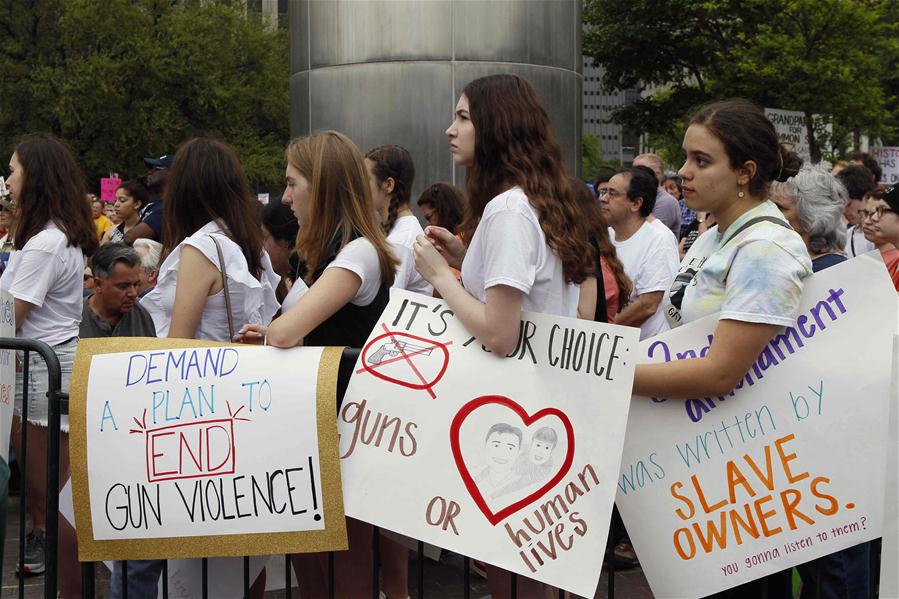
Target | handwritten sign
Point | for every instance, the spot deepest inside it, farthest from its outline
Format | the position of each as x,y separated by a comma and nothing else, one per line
719,491
188,449
108,185
889,556
791,127
888,159
496,458
7,371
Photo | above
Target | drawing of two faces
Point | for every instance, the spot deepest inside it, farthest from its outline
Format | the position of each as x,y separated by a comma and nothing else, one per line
509,465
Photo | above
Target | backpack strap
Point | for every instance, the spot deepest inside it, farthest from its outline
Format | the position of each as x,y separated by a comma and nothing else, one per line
754,221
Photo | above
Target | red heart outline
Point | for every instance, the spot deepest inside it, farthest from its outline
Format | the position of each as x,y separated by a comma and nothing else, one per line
406,384
473,490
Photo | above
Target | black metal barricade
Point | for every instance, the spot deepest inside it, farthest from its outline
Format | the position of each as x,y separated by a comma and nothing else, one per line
58,405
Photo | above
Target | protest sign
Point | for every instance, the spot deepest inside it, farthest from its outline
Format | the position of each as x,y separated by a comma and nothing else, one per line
108,185
7,371
194,449
888,159
791,127
789,467
511,461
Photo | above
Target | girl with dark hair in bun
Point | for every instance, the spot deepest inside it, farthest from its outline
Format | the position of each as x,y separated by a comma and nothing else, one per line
130,199
526,247
750,268
390,176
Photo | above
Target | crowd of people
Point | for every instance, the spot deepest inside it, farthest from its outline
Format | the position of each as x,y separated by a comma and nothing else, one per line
187,252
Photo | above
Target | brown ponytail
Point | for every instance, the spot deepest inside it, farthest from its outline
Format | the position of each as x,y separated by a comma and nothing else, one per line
393,162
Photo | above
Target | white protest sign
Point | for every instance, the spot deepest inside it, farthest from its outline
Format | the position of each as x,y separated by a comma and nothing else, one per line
203,442
791,127
512,461
7,371
888,159
719,491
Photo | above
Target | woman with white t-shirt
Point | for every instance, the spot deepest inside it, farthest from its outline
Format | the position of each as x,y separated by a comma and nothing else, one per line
750,269
390,175
347,270
54,233
212,240
527,247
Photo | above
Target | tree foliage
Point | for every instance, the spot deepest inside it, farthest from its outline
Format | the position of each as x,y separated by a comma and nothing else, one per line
828,57
124,79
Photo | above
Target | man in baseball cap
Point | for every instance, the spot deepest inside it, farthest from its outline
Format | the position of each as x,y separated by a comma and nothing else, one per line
150,225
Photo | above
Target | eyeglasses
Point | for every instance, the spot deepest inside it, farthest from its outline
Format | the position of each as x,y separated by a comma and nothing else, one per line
611,193
877,213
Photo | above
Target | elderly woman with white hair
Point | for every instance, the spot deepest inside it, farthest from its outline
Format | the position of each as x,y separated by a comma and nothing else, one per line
813,203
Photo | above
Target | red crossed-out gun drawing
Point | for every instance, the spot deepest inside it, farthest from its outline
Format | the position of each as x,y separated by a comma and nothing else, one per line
395,348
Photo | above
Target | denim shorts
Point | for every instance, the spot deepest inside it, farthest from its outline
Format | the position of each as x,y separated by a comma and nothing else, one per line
38,383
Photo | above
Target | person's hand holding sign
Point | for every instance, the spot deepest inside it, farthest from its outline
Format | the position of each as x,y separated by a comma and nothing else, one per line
251,334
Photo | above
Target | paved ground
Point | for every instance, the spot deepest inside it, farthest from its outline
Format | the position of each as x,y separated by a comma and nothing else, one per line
443,580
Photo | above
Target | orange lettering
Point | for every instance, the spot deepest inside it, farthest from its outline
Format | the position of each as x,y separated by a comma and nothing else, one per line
719,534
734,478
749,525
701,496
790,507
834,506
769,480
680,513
763,517
677,544
786,459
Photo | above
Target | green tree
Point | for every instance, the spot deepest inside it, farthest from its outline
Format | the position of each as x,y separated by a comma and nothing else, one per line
816,56
123,79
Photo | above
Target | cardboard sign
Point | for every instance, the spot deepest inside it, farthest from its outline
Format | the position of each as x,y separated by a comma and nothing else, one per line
512,461
888,159
791,127
7,371
195,449
108,186
719,491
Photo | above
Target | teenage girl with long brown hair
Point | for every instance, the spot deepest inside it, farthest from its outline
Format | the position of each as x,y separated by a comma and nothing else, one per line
527,247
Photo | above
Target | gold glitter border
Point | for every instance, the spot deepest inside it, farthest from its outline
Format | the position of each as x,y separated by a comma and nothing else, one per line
332,538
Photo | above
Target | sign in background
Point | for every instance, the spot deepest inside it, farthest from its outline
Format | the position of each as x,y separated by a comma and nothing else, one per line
791,127
194,449
108,185
512,461
719,491
888,159
7,371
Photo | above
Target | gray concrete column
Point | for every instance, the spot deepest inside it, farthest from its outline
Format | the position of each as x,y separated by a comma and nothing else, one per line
391,71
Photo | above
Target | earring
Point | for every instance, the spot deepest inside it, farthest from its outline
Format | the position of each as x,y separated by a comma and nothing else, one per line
740,194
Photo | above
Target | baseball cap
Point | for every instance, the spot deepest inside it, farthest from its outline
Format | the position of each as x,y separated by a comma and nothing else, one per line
164,161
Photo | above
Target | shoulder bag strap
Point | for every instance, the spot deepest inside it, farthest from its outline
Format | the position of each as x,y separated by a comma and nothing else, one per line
218,249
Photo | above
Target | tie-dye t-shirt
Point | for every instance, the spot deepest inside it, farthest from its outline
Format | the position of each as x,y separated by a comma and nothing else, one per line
755,277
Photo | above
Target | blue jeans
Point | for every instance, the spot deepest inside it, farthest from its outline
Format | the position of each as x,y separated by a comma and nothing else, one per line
143,578
840,575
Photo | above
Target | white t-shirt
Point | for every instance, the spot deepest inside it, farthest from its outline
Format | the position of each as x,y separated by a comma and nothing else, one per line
402,238
509,248
658,224
252,300
48,273
649,257
856,242
757,276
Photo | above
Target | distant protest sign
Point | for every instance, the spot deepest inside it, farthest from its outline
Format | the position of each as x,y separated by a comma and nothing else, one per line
791,127
194,449
888,159
7,371
719,491
108,185
512,461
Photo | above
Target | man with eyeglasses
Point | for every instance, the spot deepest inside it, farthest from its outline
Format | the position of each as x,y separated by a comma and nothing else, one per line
647,252
881,227
859,182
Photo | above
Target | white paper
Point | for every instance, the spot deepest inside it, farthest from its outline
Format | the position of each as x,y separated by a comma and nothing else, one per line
511,461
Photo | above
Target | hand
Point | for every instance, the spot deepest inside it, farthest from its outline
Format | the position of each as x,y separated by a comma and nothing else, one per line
251,334
447,244
428,260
